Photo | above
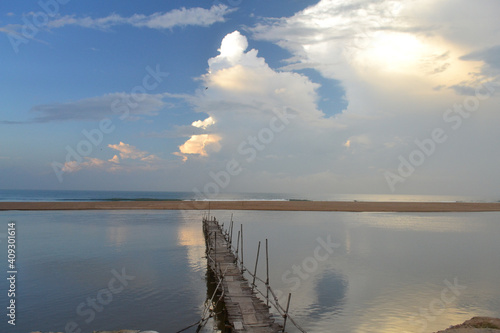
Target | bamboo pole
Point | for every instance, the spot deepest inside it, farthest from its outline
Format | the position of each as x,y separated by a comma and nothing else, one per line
231,232
237,247
255,270
286,312
267,273
242,267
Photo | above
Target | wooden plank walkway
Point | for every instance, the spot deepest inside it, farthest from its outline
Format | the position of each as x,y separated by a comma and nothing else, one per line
245,311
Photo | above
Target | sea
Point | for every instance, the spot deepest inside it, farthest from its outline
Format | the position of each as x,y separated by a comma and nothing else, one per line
66,195
84,271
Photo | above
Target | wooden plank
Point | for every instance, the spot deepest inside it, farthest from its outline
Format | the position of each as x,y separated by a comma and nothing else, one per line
245,311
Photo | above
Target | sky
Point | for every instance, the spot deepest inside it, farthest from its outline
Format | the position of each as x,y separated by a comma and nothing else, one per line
329,96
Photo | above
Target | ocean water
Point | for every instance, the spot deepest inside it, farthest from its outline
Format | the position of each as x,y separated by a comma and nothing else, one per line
347,272
64,195
58,195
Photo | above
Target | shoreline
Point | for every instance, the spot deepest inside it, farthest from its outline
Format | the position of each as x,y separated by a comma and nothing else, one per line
325,206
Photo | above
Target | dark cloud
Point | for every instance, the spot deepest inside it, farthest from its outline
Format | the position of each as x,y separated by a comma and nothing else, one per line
463,90
491,56
126,106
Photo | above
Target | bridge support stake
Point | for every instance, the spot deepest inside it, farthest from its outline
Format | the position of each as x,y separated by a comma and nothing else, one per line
255,270
242,267
286,312
237,247
231,233
267,275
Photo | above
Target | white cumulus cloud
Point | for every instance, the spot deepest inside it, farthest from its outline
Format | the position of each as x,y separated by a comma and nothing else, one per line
400,72
402,65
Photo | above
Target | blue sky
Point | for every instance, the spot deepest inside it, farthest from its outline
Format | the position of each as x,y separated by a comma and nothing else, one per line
252,96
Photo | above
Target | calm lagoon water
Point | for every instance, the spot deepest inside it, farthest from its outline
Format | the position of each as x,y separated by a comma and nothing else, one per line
382,272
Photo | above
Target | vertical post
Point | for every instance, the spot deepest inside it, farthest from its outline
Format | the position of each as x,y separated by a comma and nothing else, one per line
231,233
286,312
255,270
227,236
267,274
237,247
209,210
242,268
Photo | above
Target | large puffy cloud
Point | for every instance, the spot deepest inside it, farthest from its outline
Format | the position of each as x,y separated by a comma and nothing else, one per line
369,41
406,71
400,72
243,91
199,144
265,119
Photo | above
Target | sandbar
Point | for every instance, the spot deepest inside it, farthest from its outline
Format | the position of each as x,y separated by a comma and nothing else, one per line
330,206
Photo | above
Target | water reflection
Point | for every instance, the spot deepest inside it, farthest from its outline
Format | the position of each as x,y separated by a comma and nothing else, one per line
214,301
117,236
331,289
347,241
190,235
388,270
68,257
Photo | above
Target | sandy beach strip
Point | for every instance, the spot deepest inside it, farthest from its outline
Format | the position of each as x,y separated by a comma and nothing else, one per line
341,206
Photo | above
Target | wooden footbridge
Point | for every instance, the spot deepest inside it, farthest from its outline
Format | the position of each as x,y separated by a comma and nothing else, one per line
245,312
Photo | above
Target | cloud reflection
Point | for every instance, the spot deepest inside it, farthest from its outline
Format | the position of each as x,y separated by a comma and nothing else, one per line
190,235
